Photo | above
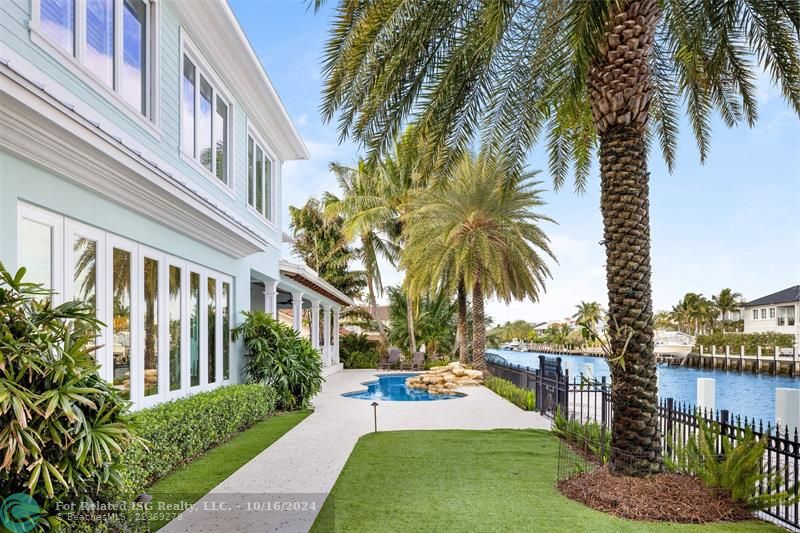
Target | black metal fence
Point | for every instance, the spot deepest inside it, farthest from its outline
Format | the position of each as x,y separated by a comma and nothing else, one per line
588,400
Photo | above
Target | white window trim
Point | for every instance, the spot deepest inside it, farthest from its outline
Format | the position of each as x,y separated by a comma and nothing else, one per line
56,224
219,89
63,231
150,121
270,154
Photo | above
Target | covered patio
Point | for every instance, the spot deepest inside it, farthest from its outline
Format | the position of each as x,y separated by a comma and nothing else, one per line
308,303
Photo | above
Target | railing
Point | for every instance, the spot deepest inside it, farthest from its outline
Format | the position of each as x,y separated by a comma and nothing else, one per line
587,400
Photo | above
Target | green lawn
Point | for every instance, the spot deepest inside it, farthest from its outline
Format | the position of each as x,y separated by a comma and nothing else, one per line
192,481
470,481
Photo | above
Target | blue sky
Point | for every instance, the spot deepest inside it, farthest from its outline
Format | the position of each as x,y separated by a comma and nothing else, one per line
733,222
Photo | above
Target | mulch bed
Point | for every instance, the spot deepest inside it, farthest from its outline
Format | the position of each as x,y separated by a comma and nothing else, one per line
663,498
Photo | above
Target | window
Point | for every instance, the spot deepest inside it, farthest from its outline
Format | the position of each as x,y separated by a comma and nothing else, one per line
772,312
755,314
205,121
175,333
57,22
212,330
167,322
259,178
109,39
763,314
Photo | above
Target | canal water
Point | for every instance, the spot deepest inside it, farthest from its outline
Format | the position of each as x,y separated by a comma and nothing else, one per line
744,394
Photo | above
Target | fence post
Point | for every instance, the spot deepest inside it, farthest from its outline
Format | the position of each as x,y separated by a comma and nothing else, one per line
775,360
669,436
727,355
758,359
741,358
724,416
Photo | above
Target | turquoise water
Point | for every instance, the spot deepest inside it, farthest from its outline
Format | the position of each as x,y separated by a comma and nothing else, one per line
744,394
392,388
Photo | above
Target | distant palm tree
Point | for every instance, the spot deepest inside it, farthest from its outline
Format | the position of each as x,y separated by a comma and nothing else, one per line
479,227
602,76
590,313
362,189
726,302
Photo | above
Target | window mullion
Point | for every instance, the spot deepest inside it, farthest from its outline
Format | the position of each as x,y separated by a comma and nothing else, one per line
117,43
213,119
196,88
80,30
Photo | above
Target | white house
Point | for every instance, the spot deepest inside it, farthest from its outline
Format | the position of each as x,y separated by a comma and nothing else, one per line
777,312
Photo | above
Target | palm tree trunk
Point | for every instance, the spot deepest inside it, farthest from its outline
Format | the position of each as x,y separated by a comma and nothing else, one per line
373,304
412,340
461,333
478,328
619,92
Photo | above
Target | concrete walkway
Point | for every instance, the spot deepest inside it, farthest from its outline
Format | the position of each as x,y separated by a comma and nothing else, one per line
298,471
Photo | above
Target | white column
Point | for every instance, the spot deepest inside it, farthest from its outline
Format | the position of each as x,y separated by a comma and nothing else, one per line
326,334
315,323
297,311
336,336
706,394
787,409
271,298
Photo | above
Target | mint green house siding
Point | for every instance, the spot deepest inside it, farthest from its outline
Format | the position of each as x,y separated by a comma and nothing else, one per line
79,165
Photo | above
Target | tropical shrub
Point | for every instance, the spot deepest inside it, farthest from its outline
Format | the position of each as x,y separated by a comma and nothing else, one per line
277,356
589,436
522,398
177,432
357,351
750,341
738,470
63,429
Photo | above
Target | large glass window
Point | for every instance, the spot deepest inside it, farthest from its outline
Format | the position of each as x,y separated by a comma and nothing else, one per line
36,251
212,330
259,179
133,77
175,313
84,270
221,140
205,119
121,331
226,330
150,277
100,39
194,329
187,115
57,22
204,124
104,25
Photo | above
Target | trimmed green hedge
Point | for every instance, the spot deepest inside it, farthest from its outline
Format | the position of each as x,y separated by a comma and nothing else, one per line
522,398
750,341
179,431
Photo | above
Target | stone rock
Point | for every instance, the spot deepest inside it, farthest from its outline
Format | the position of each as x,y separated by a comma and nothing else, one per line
468,382
458,371
473,374
451,385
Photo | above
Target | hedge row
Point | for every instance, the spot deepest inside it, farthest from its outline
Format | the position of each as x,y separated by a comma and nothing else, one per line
179,431
522,398
750,341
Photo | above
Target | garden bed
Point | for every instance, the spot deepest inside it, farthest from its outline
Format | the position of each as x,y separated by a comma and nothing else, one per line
664,497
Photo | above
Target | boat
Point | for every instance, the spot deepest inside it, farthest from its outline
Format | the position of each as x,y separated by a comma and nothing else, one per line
512,345
673,343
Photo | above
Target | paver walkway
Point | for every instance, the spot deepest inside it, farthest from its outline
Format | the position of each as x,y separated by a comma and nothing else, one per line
297,472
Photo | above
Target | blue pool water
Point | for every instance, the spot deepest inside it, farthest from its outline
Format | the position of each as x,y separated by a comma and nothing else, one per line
392,388
744,394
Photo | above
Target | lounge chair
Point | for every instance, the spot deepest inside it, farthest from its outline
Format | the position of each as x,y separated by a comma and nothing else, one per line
417,362
392,361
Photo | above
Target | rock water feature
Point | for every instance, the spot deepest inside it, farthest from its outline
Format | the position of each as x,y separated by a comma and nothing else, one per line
445,379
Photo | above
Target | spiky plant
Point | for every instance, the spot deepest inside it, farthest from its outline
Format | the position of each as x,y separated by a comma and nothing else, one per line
607,74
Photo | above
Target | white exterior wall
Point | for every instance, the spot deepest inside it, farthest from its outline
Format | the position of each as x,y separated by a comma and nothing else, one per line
768,324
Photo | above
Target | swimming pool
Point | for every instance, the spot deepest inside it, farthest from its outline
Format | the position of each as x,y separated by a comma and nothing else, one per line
745,394
392,388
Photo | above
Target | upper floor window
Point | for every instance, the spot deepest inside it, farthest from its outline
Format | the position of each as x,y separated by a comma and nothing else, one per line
108,38
260,179
205,121
772,312
763,314
755,314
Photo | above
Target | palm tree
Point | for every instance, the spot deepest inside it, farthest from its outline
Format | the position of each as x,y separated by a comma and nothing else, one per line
590,313
612,75
359,186
726,302
479,227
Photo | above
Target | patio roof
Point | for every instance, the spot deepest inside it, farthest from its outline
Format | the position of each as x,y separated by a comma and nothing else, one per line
305,276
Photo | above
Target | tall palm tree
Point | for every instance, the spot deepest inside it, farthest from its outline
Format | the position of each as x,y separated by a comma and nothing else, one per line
607,74
479,227
590,313
360,186
726,302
